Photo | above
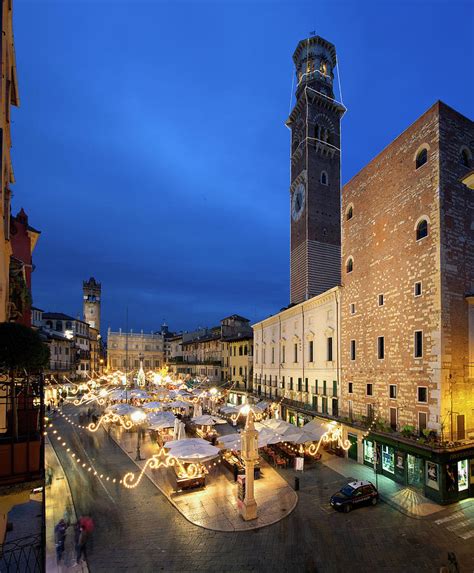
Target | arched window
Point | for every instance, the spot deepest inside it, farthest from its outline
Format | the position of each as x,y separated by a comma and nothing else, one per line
324,178
323,68
349,212
349,265
465,157
422,229
422,157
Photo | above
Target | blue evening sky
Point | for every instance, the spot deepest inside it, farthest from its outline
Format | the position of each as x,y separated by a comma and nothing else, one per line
151,150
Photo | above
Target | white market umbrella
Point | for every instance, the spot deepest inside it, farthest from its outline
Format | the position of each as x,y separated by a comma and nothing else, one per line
186,441
204,420
155,417
141,394
229,410
194,452
178,404
152,405
161,425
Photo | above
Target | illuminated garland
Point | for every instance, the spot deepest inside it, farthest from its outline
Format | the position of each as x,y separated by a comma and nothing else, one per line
110,417
90,397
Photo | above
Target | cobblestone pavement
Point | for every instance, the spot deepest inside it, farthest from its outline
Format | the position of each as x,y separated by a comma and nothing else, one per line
138,530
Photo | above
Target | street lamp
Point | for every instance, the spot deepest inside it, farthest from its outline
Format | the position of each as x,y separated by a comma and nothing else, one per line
138,417
249,443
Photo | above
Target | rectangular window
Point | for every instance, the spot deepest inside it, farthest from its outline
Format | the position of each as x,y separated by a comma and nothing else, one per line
334,388
316,387
325,406
392,391
329,349
324,387
353,349
282,382
240,370
380,347
421,421
311,348
370,411
299,384
306,389
315,403
393,418
273,355
350,389
423,394
291,383
369,389
418,344
283,359
418,288
352,308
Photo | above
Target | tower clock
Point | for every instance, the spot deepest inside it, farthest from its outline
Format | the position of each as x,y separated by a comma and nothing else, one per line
315,189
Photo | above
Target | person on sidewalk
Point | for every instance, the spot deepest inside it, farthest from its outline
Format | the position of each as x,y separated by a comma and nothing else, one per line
59,538
81,542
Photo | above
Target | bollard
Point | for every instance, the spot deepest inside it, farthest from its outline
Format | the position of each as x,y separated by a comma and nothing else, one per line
297,483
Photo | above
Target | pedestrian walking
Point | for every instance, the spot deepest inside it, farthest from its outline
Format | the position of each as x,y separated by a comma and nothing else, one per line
59,538
82,538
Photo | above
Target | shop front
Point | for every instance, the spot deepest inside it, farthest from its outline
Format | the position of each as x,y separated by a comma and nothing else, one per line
444,476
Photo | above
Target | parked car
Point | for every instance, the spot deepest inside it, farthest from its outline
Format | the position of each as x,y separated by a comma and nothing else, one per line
354,494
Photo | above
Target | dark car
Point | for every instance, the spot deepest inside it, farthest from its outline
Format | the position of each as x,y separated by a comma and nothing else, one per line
354,494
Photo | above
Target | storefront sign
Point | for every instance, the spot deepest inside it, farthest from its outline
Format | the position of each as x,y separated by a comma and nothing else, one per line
299,464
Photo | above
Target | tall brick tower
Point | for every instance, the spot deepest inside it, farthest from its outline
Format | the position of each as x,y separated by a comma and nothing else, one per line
315,189
91,290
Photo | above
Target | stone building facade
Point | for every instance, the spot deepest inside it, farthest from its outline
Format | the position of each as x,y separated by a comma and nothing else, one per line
125,349
408,273
296,357
8,96
403,290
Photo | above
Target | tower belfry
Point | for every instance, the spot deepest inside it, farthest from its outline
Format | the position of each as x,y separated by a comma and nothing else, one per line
315,188
91,307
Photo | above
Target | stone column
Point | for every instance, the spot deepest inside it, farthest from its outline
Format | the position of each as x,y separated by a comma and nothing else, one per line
250,456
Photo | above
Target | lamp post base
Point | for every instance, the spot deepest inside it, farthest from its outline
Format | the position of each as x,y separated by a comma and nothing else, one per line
248,510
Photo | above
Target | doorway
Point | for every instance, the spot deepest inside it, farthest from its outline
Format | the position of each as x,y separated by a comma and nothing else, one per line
415,472
352,453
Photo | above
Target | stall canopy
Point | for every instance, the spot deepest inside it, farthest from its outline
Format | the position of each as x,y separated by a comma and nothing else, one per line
193,451
152,405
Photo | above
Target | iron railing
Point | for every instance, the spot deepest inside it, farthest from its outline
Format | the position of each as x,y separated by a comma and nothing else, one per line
25,555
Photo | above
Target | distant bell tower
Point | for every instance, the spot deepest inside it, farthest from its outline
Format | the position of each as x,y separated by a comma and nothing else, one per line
91,290
315,189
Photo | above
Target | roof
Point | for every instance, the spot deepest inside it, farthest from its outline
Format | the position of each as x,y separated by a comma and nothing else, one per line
61,316
236,317
36,308
356,484
239,336
304,44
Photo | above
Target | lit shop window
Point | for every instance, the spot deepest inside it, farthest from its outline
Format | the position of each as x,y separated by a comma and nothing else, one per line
369,451
388,459
463,483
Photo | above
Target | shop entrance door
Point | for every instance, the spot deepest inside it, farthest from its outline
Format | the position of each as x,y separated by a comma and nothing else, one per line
352,453
415,471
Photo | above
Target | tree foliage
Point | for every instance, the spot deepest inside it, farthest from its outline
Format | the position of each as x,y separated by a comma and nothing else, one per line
21,348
